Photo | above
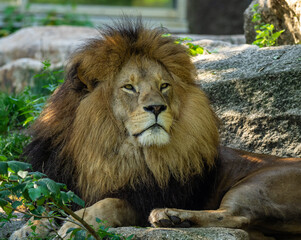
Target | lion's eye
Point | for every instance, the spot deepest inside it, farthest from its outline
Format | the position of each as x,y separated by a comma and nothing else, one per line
164,86
129,87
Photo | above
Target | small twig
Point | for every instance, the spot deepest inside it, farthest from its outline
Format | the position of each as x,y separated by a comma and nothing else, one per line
37,216
84,213
56,232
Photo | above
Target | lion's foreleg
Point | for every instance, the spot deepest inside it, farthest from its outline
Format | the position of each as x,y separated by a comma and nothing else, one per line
113,212
184,218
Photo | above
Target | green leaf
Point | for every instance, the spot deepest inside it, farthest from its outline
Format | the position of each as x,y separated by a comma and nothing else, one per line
192,52
22,174
37,175
3,202
5,193
200,50
130,237
28,120
64,197
72,229
16,204
34,193
78,201
80,235
52,186
3,158
33,228
7,209
44,190
3,168
39,210
13,178
41,201
17,166
18,188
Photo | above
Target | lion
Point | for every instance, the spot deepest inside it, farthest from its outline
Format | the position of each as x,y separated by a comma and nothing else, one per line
131,133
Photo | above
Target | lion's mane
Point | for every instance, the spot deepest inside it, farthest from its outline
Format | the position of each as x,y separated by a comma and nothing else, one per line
77,140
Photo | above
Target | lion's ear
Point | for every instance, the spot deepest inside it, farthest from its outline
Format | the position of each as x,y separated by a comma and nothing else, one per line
77,76
90,83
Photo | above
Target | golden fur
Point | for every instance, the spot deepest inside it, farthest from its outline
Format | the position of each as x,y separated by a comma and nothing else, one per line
98,143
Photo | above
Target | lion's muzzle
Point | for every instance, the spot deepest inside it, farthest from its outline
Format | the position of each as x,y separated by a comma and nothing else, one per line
155,109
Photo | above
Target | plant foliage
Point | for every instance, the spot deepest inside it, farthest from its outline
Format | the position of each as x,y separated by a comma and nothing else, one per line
193,49
266,35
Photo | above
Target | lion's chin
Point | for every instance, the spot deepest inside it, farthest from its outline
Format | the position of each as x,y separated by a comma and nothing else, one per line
154,136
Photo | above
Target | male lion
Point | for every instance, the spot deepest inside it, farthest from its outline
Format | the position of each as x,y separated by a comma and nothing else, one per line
131,133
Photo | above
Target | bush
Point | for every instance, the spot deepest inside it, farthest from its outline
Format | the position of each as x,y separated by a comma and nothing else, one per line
266,37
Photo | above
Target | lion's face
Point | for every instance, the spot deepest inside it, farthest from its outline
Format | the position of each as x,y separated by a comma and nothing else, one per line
142,101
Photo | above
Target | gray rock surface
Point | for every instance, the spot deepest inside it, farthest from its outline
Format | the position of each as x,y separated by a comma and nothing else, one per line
182,233
43,43
257,95
9,227
21,53
19,73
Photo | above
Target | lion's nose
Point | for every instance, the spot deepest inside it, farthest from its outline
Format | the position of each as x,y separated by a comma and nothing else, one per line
155,109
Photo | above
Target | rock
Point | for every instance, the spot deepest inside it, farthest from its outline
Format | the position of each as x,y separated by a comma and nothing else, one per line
14,76
284,14
10,227
182,233
22,53
43,43
256,94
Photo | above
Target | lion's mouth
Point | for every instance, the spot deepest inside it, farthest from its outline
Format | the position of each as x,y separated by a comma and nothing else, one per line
156,125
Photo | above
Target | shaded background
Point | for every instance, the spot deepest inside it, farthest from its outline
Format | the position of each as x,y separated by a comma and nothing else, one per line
216,16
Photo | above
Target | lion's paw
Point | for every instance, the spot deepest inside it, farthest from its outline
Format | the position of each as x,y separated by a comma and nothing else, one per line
63,230
168,218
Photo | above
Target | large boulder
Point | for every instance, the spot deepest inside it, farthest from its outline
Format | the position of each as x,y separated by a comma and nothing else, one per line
43,43
284,14
16,75
22,53
256,94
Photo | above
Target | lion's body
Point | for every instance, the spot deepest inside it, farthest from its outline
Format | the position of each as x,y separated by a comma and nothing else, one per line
129,131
